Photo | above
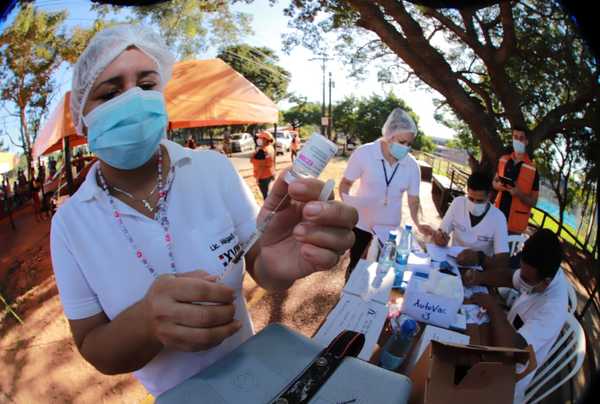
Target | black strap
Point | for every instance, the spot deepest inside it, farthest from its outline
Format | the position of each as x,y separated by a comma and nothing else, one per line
388,181
304,387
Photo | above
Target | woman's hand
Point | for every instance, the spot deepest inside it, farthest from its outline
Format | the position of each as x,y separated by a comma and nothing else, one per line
441,238
306,235
176,317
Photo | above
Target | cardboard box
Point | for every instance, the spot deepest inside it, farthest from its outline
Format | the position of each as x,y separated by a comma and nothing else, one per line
428,307
433,333
454,373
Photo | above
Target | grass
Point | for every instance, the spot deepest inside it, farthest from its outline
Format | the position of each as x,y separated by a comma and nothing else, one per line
552,224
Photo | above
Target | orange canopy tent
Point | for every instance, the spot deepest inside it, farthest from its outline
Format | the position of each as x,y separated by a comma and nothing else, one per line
58,127
201,93
211,93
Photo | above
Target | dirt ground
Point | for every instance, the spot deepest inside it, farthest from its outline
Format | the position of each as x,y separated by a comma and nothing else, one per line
38,360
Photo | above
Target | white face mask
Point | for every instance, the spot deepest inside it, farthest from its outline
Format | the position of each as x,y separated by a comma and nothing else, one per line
476,209
520,284
259,142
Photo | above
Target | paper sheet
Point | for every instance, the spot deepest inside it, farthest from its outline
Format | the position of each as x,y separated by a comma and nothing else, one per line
438,253
475,315
471,290
362,307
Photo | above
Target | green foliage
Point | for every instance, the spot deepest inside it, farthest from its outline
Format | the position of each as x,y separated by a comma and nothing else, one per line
190,27
258,65
511,63
424,143
344,116
303,114
372,112
31,51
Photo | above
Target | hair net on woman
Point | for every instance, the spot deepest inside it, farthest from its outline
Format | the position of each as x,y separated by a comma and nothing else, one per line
105,47
398,121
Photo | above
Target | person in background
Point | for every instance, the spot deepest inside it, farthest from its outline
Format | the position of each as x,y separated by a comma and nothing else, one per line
539,313
227,143
517,182
386,171
36,188
51,167
477,225
190,143
263,162
295,146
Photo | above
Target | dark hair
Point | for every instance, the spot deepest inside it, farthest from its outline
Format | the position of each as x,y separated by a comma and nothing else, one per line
543,252
480,181
521,128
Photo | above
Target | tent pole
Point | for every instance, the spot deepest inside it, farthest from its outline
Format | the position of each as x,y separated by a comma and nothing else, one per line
275,146
68,171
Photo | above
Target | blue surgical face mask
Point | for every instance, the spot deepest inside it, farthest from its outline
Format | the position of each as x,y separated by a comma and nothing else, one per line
518,146
399,151
125,131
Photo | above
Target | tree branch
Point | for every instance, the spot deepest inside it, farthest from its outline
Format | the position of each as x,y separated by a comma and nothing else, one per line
509,38
551,123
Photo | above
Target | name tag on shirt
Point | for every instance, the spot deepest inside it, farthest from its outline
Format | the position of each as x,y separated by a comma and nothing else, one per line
485,239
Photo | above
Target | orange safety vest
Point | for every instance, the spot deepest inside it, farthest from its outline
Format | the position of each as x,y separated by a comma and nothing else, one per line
264,168
518,215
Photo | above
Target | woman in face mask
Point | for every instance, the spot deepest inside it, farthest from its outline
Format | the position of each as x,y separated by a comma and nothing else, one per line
146,239
386,171
263,162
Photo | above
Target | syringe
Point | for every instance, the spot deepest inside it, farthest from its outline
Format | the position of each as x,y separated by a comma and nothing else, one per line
260,229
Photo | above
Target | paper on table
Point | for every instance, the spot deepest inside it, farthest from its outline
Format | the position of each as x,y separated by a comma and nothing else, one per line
471,290
433,333
362,307
438,253
474,314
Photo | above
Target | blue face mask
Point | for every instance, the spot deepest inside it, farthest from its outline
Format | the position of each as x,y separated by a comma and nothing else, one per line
518,146
125,131
399,151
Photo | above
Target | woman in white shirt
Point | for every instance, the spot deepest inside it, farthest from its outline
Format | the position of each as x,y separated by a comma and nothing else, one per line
154,227
386,171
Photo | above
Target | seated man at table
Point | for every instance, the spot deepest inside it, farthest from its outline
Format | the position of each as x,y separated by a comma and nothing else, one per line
477,225
539,313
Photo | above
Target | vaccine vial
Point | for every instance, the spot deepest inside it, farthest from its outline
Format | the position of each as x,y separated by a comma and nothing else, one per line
312,158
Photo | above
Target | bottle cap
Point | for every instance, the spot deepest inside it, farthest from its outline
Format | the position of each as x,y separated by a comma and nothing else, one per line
392,235
409,326
408,227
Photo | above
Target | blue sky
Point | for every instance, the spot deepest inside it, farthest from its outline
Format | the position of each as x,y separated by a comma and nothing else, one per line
268,24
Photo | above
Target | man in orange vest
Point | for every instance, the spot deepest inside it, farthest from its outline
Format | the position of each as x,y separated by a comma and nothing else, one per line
263,162
517,182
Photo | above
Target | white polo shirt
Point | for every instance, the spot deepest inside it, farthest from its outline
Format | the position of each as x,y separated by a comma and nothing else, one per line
490,235
539,317
367,165
210,210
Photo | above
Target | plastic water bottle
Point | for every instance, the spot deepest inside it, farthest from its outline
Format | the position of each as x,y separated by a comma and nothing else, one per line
388,252
402,252
405,245
397,346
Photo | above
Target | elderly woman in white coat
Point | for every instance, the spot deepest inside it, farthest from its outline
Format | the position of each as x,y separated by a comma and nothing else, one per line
386,171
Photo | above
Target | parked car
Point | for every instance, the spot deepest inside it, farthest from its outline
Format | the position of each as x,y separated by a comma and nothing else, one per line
242,142
283,141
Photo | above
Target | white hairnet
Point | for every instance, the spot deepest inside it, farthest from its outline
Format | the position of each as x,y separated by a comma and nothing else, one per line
105,47
398,121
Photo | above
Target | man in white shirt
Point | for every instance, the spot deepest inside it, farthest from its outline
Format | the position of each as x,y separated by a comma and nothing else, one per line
477,225
539,313
386,171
